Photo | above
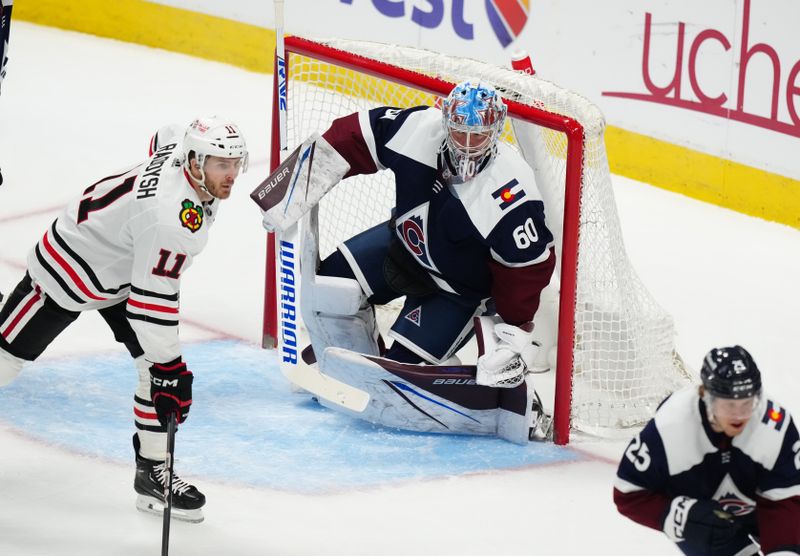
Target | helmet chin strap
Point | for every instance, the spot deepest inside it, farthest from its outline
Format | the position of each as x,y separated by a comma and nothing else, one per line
201,184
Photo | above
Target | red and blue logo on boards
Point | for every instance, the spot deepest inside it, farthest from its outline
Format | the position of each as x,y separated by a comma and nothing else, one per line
508,18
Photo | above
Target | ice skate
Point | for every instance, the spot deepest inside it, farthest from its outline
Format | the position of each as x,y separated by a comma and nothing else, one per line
149,483
541,423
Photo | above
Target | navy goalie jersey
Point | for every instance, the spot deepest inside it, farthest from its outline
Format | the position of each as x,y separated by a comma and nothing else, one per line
483,238
755,475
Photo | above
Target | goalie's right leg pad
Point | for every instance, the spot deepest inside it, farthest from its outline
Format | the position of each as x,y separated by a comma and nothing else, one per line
335,313
429,398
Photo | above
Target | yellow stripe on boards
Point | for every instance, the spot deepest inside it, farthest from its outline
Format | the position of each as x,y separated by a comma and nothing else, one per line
196,34
705,177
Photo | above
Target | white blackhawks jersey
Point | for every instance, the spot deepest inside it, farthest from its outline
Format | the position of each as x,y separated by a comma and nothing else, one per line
129,238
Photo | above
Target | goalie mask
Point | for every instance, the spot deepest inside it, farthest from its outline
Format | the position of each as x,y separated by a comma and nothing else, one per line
213,137
473,115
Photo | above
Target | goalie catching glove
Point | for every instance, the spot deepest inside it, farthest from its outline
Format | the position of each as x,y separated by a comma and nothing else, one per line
505,352
171,390
298,184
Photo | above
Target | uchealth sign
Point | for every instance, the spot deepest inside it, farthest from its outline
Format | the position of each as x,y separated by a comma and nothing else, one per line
729,84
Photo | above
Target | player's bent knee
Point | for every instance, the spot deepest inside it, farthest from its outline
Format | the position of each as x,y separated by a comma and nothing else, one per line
10,366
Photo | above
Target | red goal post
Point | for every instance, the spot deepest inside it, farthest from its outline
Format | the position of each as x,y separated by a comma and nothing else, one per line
337,77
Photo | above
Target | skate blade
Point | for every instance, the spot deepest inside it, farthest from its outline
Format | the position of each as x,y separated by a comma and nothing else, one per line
150,505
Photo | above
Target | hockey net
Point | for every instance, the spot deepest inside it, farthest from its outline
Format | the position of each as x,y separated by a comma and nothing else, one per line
616,359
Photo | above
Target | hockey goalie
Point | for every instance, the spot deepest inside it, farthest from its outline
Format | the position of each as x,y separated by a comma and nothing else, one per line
466,246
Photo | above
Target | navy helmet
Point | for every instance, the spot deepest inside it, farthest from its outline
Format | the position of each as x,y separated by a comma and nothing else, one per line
731,373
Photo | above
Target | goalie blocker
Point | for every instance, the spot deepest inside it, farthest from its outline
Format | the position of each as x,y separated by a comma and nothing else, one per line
298,184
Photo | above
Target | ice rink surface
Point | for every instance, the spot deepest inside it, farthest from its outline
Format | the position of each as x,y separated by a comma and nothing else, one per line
282,475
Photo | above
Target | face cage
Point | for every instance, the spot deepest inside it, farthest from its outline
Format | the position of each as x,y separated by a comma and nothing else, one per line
467,160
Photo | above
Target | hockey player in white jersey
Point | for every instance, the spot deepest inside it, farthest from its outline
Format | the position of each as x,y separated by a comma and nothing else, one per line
122,248
718,467
467,243
6,7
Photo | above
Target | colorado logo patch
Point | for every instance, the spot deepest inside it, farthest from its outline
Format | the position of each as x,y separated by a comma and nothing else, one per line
191,215
508,195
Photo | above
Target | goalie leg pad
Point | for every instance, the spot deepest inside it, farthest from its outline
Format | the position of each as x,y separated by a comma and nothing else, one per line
336,313
299,183
428,398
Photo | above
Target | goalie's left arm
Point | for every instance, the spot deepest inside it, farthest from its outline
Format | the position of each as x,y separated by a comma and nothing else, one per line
522,264
506,345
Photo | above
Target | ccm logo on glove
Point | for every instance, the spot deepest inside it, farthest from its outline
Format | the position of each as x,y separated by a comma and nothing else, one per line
171,390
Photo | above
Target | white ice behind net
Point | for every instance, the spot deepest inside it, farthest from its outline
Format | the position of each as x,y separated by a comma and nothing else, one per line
625,362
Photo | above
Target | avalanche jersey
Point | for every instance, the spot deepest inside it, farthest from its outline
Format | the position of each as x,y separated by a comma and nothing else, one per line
128,238
5,30
483,238
755,475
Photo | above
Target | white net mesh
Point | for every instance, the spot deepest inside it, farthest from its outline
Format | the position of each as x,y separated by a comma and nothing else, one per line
625,362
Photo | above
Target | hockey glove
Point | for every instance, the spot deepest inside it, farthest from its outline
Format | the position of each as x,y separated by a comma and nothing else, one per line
702,524
505,352
171,390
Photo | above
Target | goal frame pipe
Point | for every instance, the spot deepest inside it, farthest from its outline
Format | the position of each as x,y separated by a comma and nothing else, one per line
572,197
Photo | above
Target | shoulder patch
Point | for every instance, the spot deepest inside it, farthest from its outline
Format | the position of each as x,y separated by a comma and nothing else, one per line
509,194
191,215
774,416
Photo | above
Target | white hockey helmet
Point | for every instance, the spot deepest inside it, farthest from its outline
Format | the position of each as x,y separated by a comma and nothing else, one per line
213,136
473,115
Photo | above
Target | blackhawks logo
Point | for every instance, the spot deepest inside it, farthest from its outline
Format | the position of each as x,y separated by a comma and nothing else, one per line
191,215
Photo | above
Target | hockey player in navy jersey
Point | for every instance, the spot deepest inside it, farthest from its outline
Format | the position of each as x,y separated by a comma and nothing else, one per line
468,236
121,248
466,244
718,467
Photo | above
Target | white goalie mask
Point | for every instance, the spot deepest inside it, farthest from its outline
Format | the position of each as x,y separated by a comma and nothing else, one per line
213,137
473,115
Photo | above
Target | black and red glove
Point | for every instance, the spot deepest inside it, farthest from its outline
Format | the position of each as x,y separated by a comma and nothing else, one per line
171,390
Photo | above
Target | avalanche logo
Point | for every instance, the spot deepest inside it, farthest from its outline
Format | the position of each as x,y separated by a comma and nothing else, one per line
508,18
415,316
191,215
732,499
412,228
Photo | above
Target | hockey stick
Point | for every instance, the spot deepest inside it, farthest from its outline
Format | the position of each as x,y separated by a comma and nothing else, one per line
280,74
171,427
